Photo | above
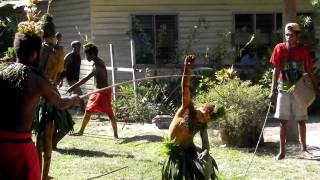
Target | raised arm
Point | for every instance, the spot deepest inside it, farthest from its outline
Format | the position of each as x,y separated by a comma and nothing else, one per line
185,83
67,60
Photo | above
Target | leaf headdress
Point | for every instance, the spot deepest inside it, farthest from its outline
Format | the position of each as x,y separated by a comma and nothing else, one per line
88,44
32,26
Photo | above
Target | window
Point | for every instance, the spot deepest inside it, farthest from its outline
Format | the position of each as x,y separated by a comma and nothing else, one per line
156,38
266,28
262,24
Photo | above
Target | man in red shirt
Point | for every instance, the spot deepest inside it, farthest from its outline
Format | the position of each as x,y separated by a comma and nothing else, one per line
291,60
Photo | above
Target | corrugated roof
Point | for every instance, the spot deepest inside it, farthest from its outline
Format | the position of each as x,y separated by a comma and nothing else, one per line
15,4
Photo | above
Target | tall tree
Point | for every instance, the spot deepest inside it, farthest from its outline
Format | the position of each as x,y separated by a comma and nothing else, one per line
290,15
290,11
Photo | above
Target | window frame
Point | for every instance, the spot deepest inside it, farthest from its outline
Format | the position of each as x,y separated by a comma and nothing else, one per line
255,19
254,26
154,14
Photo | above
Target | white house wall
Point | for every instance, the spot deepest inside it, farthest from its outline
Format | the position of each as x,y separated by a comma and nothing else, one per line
111,19
108,21
67,15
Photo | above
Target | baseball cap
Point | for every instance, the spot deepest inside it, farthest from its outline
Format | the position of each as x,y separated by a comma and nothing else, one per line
292,27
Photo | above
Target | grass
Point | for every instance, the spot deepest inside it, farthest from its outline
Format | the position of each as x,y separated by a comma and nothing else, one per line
139,156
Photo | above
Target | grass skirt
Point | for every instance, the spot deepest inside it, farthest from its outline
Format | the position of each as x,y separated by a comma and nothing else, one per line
184,164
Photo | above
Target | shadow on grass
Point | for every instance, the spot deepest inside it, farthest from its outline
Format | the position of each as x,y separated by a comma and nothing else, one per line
272,149
149,138
264,149
91,153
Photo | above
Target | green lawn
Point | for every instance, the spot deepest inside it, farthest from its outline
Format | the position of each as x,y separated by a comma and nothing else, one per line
139,156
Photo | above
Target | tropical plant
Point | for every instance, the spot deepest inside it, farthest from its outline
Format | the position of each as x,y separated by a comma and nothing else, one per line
224,75
8,26
266,78
9,55
138,109
245,106
216,54
154,97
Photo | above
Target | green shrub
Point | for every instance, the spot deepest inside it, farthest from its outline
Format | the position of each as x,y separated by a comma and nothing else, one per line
137,108
155,97
245,106
266,78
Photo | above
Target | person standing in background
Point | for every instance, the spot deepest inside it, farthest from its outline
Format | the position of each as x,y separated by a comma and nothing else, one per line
72,63
291,60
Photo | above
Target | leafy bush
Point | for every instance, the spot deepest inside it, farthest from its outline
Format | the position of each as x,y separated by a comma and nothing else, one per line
156,97
245,106
8,27
136,107
9,55
266,78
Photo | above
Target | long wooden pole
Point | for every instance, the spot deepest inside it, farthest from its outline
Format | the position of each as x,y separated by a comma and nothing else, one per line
130,81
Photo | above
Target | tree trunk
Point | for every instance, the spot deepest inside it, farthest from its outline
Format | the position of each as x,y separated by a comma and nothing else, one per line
290,15
289,11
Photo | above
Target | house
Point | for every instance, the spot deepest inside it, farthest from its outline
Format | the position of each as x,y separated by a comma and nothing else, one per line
158,28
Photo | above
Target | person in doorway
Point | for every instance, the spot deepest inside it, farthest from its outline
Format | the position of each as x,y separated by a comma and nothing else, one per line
22,86
290,60
186,161
100,101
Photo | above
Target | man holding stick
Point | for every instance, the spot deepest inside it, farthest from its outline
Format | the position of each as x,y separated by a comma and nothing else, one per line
100,101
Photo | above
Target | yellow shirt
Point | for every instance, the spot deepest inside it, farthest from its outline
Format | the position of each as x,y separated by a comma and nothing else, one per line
55,64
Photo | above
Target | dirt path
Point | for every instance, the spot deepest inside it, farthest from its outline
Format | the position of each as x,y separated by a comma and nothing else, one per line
271,134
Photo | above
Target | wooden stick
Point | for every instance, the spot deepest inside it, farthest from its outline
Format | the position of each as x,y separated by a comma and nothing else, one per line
96,177
141,79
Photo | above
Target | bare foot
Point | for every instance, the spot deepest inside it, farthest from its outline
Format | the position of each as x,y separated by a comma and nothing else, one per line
306,155
54,148
47,178
76,134
280,156
117,140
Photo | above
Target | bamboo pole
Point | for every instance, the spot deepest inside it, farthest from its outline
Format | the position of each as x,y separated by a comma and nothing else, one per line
141,79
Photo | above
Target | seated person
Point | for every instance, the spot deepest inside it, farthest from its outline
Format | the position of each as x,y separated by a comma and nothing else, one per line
249,58
248,65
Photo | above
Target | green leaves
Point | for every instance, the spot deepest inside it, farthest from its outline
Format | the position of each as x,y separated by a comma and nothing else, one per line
241,107
169,146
